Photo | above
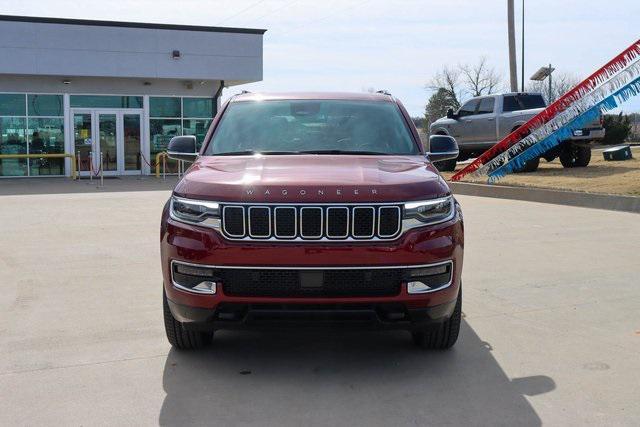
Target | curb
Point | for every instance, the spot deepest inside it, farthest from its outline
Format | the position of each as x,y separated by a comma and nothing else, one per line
541,195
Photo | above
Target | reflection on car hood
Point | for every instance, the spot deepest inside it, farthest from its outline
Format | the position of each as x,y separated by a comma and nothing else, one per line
312,179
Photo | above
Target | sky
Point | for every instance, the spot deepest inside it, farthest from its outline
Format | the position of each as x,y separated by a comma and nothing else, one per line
354,45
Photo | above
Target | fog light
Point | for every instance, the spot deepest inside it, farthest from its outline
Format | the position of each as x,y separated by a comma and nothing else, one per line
191,270
205,288
417,287
577,132
194,278
429,271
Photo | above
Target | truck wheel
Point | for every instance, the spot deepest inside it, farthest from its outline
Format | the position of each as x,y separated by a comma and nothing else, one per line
446,333
530,166
574,156
178,336
446,165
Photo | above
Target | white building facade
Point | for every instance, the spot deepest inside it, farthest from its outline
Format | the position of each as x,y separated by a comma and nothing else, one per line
119,90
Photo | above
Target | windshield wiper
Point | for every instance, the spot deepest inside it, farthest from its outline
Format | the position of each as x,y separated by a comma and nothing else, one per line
253,152
353,152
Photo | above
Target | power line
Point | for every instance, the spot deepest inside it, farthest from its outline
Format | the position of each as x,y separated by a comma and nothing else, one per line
330,15
251,6
288,4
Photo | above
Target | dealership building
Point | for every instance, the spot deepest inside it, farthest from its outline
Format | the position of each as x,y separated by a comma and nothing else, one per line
119,89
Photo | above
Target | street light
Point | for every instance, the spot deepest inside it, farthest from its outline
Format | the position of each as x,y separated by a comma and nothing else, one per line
542,74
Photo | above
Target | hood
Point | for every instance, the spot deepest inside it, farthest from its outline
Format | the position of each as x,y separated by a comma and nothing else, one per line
441,121
311,179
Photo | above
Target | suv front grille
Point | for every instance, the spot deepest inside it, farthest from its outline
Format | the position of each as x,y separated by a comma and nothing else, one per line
307,222
310,283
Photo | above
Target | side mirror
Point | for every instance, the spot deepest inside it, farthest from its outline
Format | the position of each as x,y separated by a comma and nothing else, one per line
451,114
183,148
442,147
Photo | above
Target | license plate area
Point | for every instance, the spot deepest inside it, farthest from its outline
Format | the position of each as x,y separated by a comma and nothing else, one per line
311,279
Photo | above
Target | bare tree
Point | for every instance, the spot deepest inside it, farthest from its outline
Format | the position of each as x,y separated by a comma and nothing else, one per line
561,83
480,79
452,85
448,80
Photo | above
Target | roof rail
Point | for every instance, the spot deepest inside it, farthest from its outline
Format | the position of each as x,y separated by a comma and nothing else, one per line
384,92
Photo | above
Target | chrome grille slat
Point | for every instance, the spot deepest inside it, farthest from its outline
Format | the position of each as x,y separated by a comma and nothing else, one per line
360,224
311,218
257,224
285,222
309,222
389,213
231,219
330,222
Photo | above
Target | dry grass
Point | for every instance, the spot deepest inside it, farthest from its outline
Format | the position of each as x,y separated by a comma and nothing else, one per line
600,176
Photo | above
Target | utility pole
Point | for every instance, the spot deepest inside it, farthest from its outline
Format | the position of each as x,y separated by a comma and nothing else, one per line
513,67
522,50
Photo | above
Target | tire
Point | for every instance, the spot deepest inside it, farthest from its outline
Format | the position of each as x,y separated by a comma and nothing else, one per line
574,156
446,165
530,166
178,336
445,335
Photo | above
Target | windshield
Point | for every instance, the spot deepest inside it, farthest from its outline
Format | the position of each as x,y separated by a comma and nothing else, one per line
312,126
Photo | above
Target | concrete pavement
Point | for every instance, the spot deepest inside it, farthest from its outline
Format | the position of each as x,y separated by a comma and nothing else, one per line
551,331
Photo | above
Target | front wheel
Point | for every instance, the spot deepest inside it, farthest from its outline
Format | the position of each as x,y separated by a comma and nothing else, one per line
445,335
178,336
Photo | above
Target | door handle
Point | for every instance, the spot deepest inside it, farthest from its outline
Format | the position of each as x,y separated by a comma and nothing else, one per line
490,119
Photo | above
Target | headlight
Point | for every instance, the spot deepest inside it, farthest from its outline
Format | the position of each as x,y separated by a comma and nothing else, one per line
198,212
419,214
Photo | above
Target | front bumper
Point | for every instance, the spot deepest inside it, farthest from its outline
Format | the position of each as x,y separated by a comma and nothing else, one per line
426,245
257,316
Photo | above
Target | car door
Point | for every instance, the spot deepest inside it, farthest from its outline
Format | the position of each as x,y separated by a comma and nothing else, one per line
484,121
463,130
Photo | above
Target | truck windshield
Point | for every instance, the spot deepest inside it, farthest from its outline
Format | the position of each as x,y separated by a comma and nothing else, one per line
312,126
523,101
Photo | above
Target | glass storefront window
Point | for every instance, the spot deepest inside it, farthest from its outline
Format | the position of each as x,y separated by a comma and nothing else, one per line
105,101
197,127
46,136
162,130
164,107
12,104
197,107
12,141
45,105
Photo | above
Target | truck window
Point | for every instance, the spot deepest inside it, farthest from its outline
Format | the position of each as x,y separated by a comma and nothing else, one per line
523,101
469,108
486,105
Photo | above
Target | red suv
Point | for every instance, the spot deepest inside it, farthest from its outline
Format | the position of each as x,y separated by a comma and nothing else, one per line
312,209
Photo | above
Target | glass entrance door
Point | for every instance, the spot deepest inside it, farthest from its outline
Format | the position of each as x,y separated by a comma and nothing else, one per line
117,134
107,142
